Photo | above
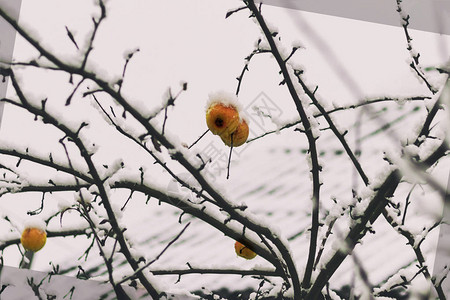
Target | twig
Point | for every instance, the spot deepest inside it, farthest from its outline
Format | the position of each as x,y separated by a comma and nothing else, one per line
127,60
34,287
70,35
69,99
170,102
38,210
94,32
415,57
245,69
158,256
403,284
230,12
196,141
407,202
324,240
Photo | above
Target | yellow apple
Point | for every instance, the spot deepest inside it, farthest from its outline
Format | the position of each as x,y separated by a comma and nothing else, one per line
239,136
33,239
222,119
244,251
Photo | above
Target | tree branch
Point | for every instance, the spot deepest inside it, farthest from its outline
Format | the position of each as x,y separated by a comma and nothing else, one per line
312,149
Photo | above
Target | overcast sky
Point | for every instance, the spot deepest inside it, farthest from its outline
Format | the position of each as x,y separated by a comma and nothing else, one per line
191,41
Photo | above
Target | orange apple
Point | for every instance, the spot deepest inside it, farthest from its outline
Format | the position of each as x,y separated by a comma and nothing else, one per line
221,118
239,136
244,251
33,239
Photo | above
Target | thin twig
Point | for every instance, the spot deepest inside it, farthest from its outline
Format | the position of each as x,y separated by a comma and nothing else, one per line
94,33
245,69
158,256
196,141
71,37
407,202
415,65
127,60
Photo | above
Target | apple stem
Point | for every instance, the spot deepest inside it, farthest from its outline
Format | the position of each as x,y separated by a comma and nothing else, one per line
229,157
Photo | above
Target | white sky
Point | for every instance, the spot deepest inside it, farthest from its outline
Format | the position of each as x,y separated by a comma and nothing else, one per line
193,42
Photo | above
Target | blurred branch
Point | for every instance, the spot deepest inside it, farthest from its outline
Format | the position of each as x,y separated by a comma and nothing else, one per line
359,229
35,287
324,241
415,245
343,108
426,127
405,281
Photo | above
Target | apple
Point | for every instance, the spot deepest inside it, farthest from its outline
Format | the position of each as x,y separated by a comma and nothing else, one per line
33,239
238,137
221,118
244,251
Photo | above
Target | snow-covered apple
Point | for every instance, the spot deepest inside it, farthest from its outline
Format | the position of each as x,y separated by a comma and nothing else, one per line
237,137
33,239
222,119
